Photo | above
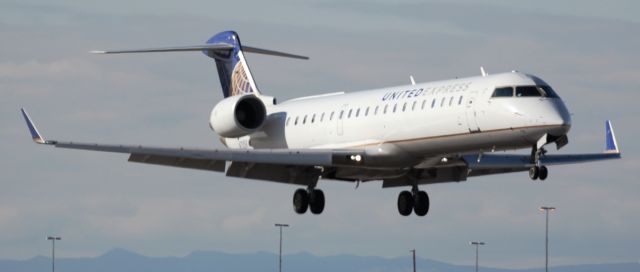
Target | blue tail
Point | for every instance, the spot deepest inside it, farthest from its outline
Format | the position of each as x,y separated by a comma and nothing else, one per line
234,73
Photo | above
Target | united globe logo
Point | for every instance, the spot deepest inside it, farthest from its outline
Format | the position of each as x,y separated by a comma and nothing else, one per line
239,80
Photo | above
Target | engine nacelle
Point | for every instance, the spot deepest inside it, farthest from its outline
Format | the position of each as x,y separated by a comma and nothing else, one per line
238,116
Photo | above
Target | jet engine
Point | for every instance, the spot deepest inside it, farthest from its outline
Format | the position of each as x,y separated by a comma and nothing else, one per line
238,116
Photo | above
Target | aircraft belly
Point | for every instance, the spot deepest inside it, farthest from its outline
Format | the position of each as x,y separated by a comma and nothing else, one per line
486,141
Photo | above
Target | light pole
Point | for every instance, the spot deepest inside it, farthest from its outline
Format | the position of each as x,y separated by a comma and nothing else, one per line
414,259
53,251
546,210
280,255
477,244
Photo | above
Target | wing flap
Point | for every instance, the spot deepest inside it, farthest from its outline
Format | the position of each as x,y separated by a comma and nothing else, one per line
201,164
291,174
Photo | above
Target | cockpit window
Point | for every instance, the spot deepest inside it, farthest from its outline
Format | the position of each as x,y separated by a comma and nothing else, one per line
549,92
503,92
528,91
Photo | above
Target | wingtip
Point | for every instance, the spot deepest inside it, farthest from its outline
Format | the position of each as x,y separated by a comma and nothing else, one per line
611,143
97,52
35,135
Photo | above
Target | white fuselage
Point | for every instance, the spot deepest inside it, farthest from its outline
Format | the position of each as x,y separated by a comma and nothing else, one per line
438,118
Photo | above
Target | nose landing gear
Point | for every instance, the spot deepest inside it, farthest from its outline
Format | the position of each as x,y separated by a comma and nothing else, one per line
537,171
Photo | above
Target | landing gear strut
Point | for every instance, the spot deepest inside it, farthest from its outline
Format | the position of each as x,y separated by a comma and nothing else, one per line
311,198
416,201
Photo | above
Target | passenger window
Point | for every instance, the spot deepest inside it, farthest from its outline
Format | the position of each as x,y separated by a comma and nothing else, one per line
385,108
313,118
442,102
503,92
460,100
366,112
375,112
395,106
322,117
424,102
350,111
358,112
341,114
527,91
304,120
296,122
331,116
433,103
413,107
404,107
450,101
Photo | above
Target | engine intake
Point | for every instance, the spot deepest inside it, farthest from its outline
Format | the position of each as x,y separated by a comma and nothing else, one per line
238,116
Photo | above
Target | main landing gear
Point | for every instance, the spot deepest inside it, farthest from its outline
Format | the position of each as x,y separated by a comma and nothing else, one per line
310,198
416,201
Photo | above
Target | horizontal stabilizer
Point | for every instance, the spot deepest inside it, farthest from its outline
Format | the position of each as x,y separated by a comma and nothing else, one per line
205,47
219,46
271,52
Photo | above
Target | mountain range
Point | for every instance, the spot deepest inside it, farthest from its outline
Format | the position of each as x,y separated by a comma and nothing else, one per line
120,260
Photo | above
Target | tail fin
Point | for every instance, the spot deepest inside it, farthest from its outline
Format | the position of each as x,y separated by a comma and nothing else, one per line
234,73
226,50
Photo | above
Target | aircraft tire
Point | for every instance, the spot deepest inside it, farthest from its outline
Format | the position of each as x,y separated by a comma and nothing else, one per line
534,172
405,203
543,172
421,203
316,201
300,201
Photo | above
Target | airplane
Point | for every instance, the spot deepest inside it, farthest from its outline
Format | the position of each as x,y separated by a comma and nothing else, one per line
411,135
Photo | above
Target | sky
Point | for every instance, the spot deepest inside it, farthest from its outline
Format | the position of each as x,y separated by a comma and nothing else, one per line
587,50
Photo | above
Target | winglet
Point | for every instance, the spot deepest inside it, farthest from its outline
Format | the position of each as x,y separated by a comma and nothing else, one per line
610,139
35,135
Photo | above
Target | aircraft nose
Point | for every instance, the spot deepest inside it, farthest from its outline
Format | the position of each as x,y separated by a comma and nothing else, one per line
562,118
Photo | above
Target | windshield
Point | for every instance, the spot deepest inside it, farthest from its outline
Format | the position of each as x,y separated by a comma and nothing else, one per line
525,91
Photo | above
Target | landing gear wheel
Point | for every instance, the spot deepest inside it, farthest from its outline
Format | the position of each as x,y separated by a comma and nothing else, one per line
300,201
543,172
316,201
534,172
405,203
421,203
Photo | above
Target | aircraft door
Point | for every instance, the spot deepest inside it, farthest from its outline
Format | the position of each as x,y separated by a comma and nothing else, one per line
471,111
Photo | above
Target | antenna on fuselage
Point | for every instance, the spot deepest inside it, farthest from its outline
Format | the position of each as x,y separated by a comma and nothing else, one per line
413,82
484,74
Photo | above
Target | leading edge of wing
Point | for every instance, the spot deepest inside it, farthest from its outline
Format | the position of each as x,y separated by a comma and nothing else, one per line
309,157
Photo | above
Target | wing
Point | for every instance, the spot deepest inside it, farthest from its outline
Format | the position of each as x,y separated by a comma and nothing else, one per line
303,166
298,166
485,164
460,168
